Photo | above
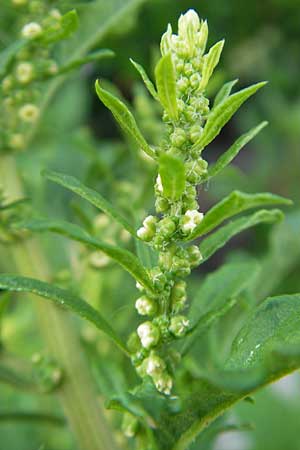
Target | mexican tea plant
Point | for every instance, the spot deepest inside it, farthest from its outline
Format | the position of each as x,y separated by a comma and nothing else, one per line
178,391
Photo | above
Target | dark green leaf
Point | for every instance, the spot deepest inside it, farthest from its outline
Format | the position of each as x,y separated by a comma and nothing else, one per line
90,195
124,118
218,239
231,153
166,85
123,257
224,92
172,174
148,83
63,298
223,112
233,204
34,417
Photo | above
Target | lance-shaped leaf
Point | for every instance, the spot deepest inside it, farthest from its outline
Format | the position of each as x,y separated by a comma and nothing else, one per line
217,294
90,195
92,57
166,85
62,297
124,118
222,113
224,92
266,349
123,257
218,239
233,204
8,54
172,174
232,152
210,61
148,83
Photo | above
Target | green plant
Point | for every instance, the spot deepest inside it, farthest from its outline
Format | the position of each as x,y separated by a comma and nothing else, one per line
192,364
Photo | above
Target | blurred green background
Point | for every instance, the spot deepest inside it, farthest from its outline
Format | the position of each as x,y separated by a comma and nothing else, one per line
78,136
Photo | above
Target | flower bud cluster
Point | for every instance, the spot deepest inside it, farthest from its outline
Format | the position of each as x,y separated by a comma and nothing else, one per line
177,219
20,87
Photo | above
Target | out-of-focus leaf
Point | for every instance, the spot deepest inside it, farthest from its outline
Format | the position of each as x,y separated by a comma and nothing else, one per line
90,195
166,85
123,257
210,61
63,298
33,417
224,92
218,239
223,112
67,26
148,83
233,204
232,152
172,174
92,57
7,55
124,118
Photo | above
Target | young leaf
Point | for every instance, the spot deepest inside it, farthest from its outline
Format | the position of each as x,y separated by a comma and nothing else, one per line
67,26
231,153
172,174
223,112
148,83
224,92
166,85
90,195
123,257
61,297
210,61
218,239
233,204
124,118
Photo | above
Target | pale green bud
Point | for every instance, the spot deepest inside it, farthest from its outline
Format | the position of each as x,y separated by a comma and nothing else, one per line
29,113
16,141
161,204
166,227
166,41
202,37
163,383
149,334
195,80
158,278
180,266
182,84
178,137
31,30
7,83
190,220
195,256
145,306
179,325
24,72
195,133
150,222
154,365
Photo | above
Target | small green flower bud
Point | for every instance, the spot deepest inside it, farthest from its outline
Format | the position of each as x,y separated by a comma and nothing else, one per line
145,234
179,325
179,65
166,41
31,30
163,383
158,278
202,37
133,343
179,290
154,364
7,83
158,184
149,334
195,256
161,204
190,220
166,227
180,267
24,72
188,69
181,105
145,306
29,113
195,80
150,222
165,260
16,141
178,137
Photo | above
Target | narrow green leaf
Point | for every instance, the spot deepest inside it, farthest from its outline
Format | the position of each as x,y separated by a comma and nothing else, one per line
218,239
92,57
223,112
210,61
68,25
274,323
224,92
13,377
231,153
218,294
166,85
148,83
61,297
8,54
233,204
90,195
124,118
33,417
172,174
123,257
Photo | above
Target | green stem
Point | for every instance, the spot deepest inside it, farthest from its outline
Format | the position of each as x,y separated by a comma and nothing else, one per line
78,393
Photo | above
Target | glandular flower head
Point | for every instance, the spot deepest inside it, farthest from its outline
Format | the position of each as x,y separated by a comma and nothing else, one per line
149,334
